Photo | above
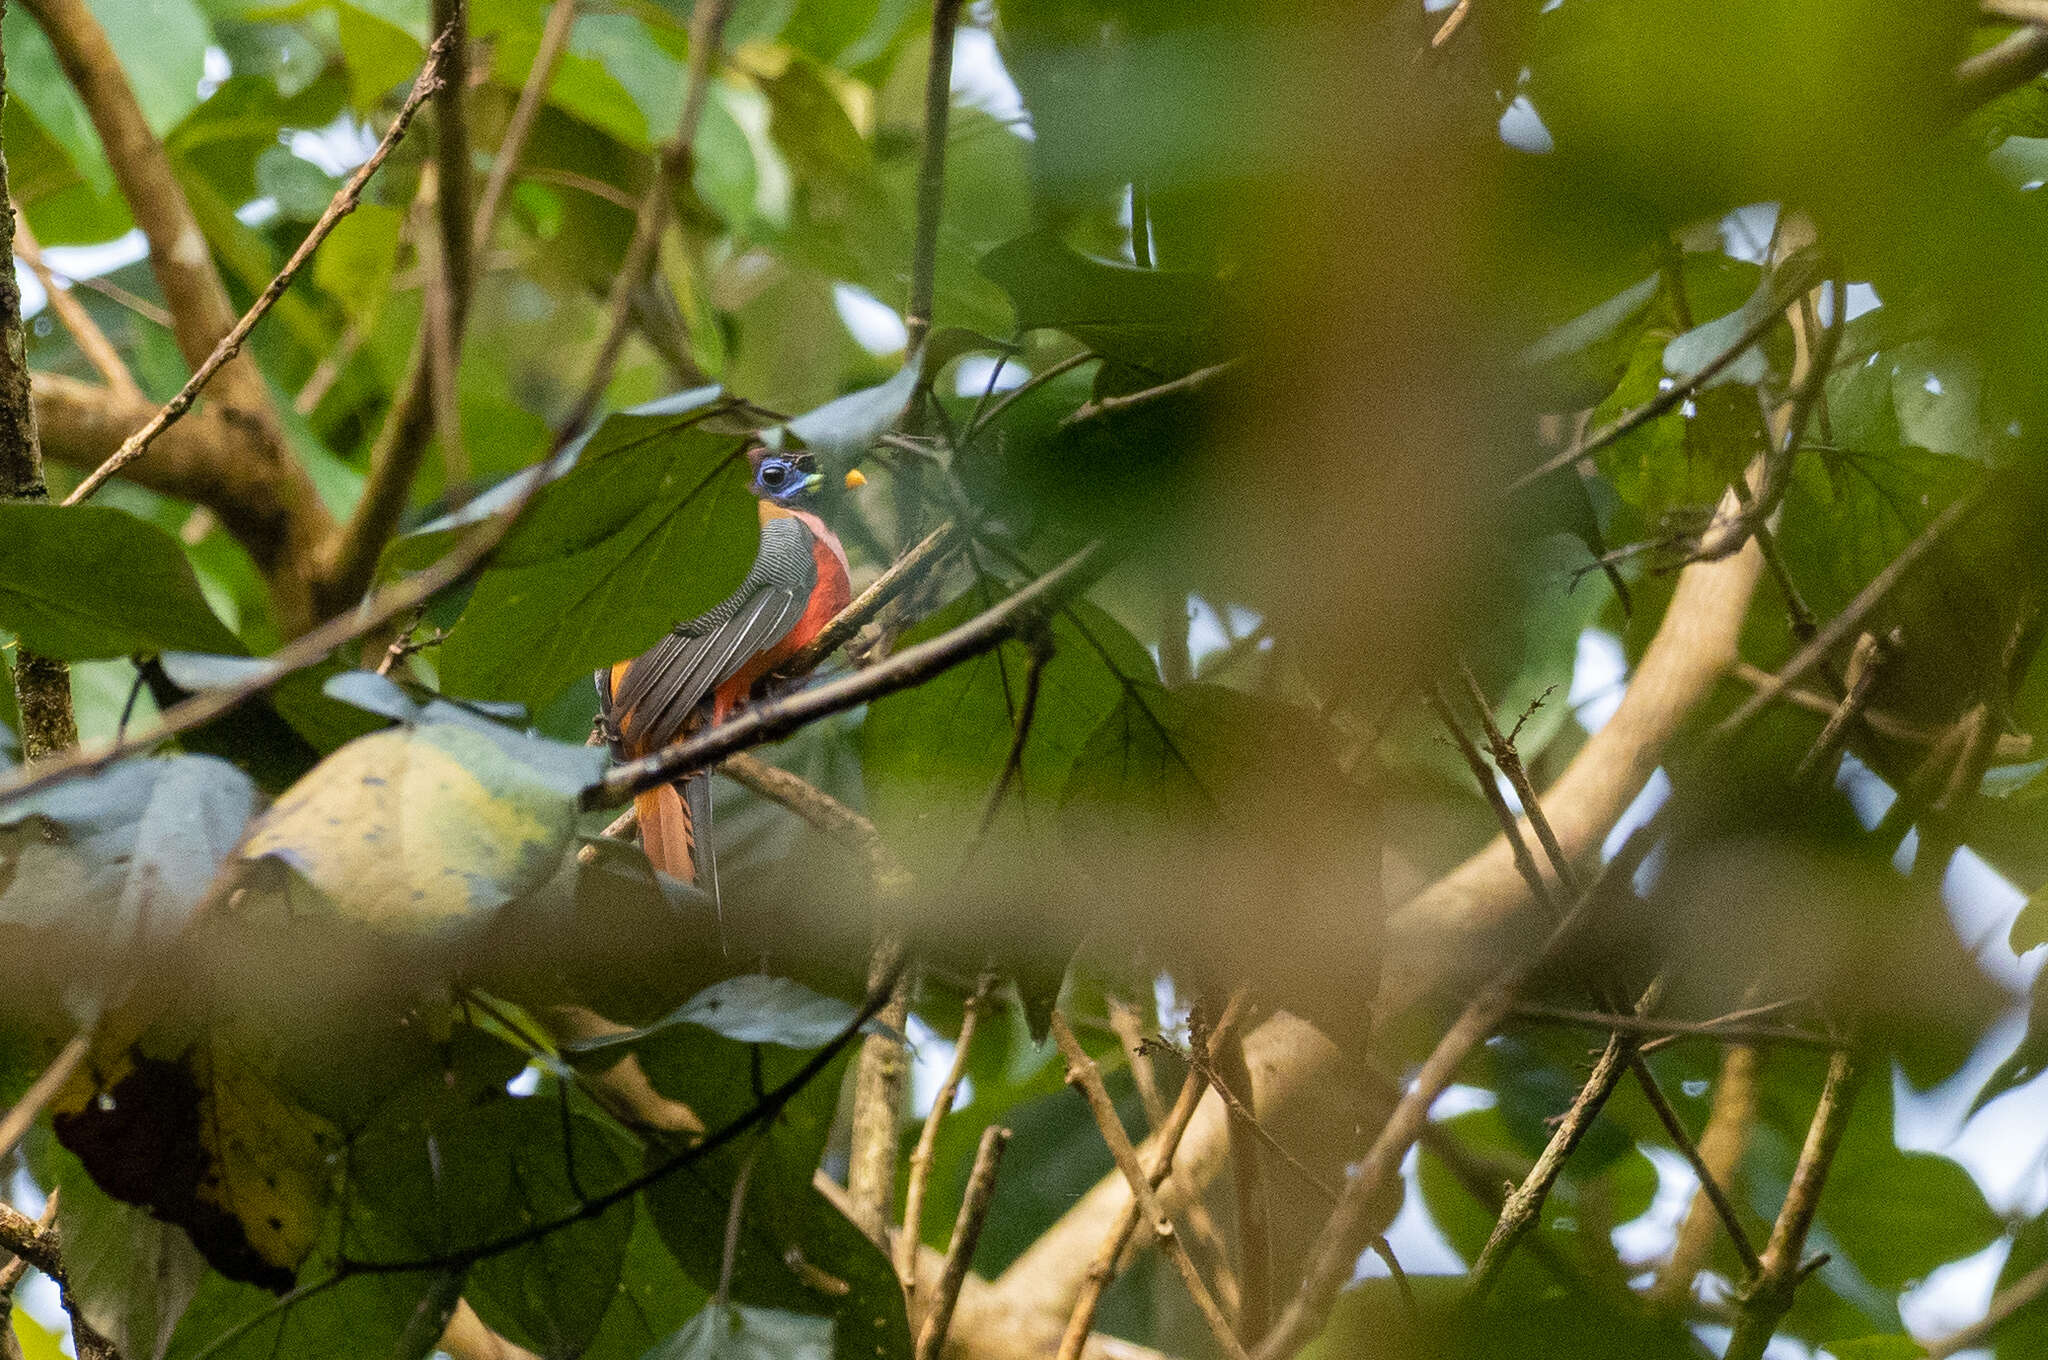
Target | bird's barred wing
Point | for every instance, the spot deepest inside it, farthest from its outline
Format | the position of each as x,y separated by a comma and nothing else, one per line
649,707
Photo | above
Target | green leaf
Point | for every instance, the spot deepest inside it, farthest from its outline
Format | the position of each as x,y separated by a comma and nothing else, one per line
932,754
842,430
737,1332
653,525
90,581
1157,321
117,862
162,46
755,1009
466,1169
425,831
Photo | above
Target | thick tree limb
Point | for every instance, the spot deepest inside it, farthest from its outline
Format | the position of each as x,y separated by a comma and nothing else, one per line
201,313
343,203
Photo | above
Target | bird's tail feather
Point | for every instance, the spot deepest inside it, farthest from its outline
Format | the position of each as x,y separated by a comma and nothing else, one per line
668,832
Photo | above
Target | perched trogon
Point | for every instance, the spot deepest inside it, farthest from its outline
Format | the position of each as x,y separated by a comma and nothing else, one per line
708,665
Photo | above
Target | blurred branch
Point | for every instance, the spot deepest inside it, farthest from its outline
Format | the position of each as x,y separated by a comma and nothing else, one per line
931,175
451,275
21,1116
2011,746
923,1155
821,810
343,203
2021,1293
1082,1072
92,342
554,41
2016,59
672,161
881,1082
200,311
11,1273
1722,1144
1768,1297
967,1225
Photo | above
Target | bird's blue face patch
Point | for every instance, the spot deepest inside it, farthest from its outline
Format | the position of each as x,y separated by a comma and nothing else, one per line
783,480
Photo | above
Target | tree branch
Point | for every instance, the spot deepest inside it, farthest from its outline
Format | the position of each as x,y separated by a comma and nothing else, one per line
981,1188
903,573
1082,1072
1769,1296
343,203
42,685
85,332
766,721
198,301
922,1157
671,164
931,175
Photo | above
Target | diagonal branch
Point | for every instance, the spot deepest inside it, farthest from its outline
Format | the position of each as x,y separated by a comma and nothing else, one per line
201,313
343,203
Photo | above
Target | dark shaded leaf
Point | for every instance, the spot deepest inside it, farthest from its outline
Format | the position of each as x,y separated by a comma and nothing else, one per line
91,581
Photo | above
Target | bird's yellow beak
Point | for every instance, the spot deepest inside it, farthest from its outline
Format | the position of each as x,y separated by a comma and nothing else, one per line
855,478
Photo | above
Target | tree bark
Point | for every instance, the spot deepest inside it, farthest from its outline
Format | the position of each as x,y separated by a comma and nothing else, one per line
42,686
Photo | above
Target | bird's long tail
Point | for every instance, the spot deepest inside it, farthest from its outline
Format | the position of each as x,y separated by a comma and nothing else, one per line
668,831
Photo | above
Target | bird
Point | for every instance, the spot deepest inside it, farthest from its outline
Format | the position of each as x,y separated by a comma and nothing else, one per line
708,666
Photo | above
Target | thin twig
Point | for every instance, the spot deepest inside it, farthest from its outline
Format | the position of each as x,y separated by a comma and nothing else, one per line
922,1157
343,203
554,41
881,1080
974,1206
1726,1030
450,273
1082,1072
2021,1293
1844,625
1102,1268
1769,1295
1520,1212
310,648
903,573
92,342
1190,382
1794,277
1525,791
1230,1074
1729,1124
931,174
22,1114
671,160
1360,1215
735,1215
1024,389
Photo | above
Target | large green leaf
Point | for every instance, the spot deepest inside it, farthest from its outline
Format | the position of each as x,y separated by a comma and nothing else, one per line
91,581
653,525
1160,323
423,833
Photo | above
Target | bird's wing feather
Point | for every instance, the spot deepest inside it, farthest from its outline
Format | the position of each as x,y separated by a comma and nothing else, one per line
663,687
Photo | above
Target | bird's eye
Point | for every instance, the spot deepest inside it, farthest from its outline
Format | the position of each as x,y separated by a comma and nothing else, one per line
773,475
